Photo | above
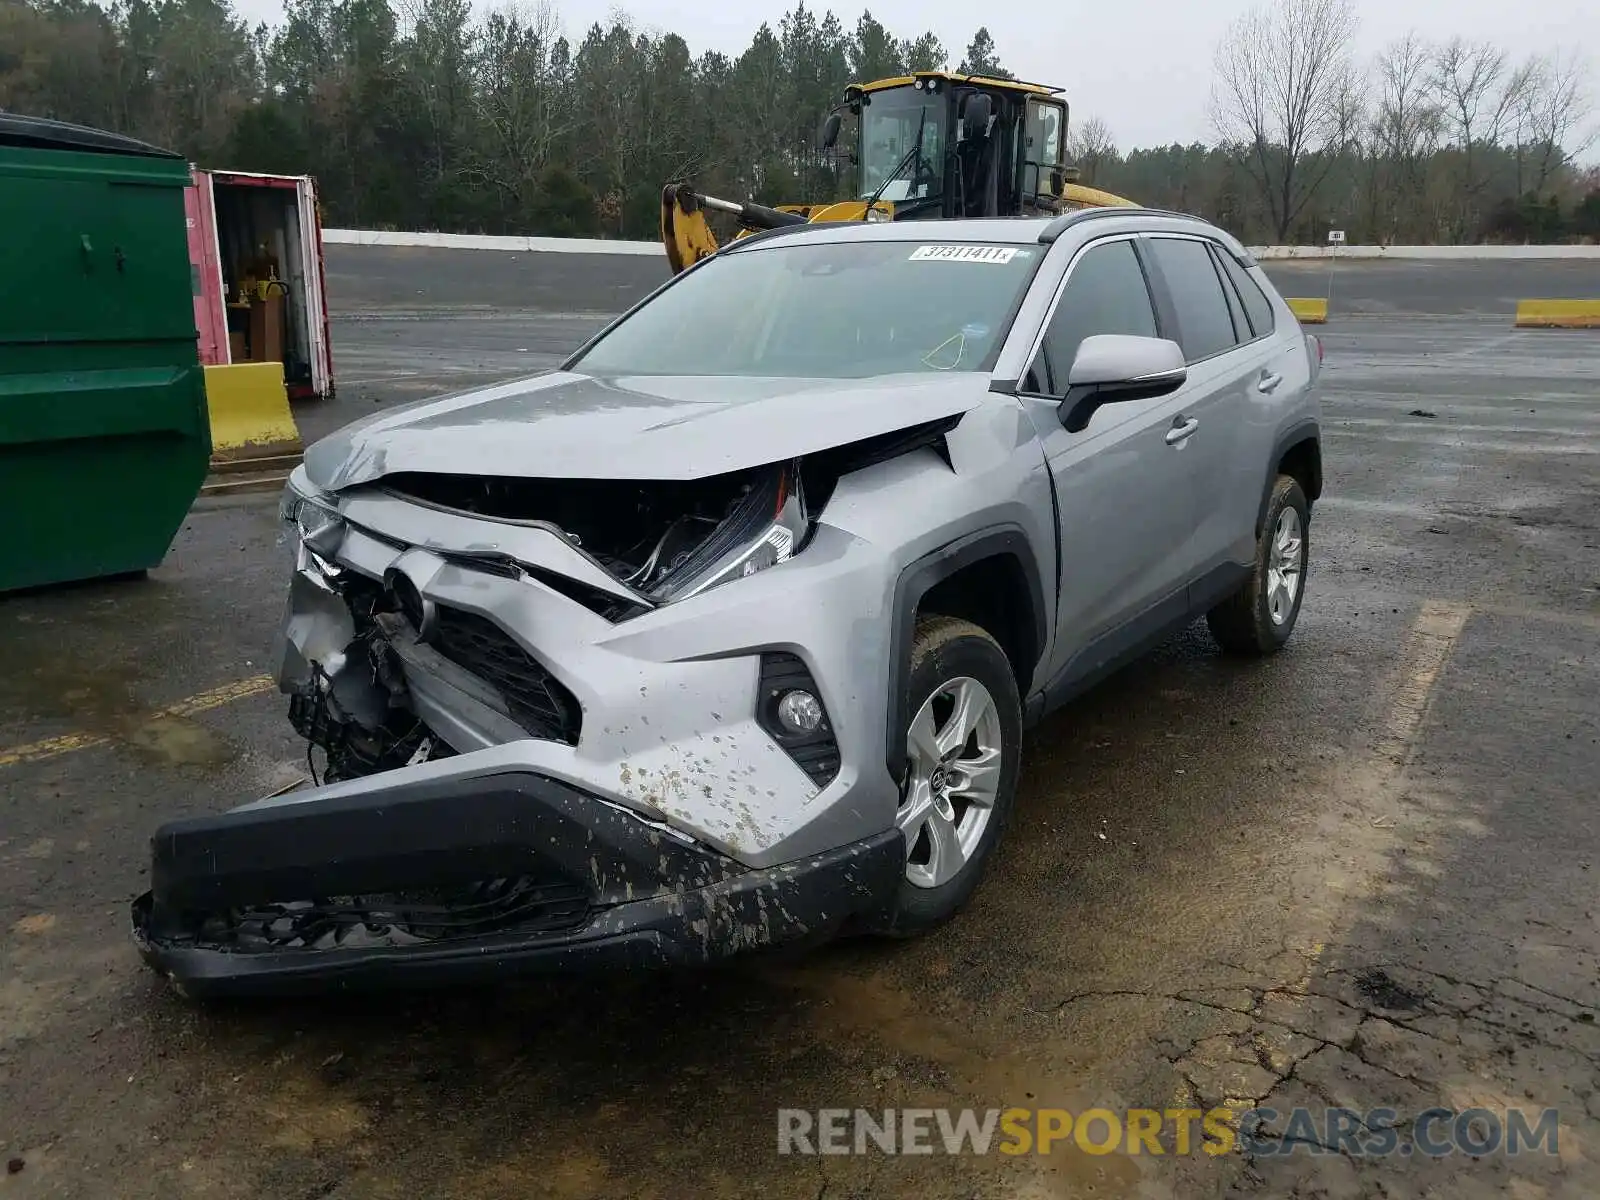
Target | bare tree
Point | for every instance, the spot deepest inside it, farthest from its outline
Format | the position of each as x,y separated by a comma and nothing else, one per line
1405,131
1552,114
1285,99
516,100
1478,90
1479,95
1406,124
1091,144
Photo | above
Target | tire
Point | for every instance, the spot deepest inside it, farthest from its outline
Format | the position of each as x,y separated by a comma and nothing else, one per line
950,655
1249,622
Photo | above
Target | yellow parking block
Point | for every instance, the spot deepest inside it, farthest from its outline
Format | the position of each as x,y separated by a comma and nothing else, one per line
250,415
1310,310
1558,314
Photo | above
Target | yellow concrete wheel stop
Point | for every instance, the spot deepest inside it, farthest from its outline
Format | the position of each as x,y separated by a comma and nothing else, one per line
250,416
1309,310
1558,314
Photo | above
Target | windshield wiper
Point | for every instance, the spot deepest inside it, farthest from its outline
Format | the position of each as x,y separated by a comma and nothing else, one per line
912,155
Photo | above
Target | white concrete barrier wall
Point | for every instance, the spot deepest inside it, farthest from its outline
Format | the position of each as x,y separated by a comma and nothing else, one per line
475,241
555,245
1438,253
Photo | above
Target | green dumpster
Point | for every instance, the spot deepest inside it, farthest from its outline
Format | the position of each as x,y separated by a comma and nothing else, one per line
104,436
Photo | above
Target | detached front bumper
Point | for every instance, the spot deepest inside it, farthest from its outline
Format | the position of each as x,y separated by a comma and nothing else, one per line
457,880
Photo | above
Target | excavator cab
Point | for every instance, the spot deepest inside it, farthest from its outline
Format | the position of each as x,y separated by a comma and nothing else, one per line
937,145
933,145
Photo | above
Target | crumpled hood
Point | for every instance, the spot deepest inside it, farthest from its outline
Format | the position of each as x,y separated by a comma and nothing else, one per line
570,426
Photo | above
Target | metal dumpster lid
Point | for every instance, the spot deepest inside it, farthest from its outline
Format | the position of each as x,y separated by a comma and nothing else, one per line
41,133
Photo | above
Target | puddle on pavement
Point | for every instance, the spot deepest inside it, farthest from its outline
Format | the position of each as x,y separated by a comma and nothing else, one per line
178,741
41,681
983,1064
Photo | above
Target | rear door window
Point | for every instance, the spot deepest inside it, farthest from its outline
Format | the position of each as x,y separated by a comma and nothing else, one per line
1256,304
1105,293
1241,326
1205,325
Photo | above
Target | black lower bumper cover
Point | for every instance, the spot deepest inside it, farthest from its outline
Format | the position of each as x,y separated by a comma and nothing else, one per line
635,896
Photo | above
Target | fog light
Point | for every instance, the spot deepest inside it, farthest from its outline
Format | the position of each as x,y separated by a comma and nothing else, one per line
799,712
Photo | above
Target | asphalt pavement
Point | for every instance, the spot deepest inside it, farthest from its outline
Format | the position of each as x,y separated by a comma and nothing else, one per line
1362,873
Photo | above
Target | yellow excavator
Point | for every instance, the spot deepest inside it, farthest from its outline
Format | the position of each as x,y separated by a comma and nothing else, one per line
933,145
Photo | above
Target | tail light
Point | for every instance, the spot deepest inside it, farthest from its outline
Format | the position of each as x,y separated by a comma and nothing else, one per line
1314,345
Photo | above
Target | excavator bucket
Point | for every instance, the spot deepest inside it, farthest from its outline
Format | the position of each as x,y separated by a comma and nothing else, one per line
687,236
684,230
1077,195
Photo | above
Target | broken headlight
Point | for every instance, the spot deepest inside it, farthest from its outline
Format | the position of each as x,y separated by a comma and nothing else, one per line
766,527
315,523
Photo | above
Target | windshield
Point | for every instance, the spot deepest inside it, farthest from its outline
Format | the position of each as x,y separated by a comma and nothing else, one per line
825,311
889,122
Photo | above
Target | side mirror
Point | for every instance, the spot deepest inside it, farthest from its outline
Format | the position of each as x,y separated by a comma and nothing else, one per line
975,113
830,131
1111,368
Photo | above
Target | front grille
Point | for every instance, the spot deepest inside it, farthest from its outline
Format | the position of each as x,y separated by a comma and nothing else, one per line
537,700
612,608
394,919
363,596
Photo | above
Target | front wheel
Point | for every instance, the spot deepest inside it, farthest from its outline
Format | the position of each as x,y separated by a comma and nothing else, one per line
1260,616
963,746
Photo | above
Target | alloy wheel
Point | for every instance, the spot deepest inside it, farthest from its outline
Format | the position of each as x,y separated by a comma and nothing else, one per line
1284,566
955,748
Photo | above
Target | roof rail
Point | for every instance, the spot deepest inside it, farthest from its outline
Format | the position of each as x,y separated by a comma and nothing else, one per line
1065,221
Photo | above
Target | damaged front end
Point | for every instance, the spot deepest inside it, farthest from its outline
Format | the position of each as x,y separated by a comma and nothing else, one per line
662,540
427,882
432,846
348,638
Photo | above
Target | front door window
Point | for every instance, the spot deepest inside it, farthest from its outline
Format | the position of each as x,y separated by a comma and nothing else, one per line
1042,143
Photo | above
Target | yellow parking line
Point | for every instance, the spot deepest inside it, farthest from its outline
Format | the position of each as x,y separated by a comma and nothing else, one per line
48,748
217,697
203,702
1428,647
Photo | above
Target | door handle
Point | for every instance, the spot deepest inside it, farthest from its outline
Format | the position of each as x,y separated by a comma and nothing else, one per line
1181,428
1269,381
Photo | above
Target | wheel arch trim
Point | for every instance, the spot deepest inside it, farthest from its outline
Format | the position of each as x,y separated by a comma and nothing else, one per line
914,582
1304,430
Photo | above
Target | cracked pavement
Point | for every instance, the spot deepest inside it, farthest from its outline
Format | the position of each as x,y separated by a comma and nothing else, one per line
1360,875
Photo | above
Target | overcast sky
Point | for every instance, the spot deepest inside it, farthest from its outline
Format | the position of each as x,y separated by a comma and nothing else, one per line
1143,66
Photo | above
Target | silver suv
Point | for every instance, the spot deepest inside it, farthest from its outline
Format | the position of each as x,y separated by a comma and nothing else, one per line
726,632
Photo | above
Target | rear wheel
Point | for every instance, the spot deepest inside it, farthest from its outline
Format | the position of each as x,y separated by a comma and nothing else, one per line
963,744
1260,616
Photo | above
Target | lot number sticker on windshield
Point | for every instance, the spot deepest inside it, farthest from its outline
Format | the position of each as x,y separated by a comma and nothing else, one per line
984,254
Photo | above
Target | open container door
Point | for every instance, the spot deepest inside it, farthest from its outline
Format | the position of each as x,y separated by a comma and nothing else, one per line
321,351
210,307
270,243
